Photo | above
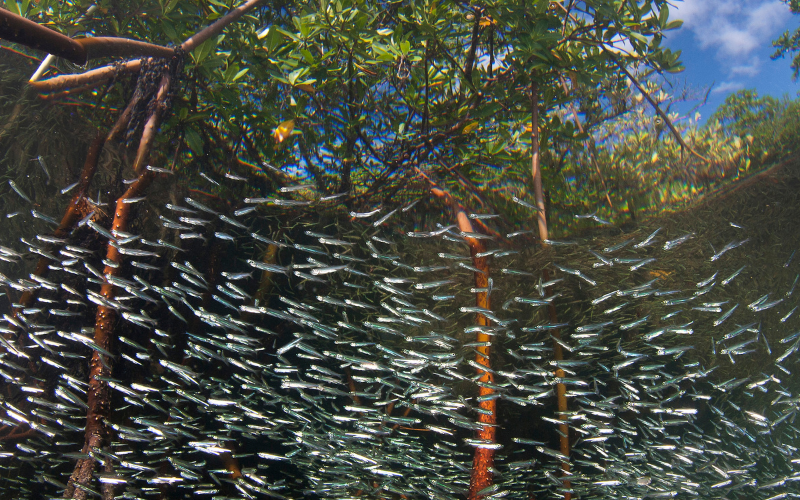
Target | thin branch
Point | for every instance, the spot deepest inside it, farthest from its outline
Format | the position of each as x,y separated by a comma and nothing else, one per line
590,140
151,126
106,46
47,61
91,77
536,170
469,64
216,28
653,103
483,460
103,48
99,392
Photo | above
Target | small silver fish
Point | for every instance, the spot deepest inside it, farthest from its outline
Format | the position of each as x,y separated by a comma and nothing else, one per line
362,215
70,187
19,191
43,164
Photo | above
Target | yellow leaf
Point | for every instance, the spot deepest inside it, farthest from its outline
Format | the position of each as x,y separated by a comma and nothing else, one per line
283,131
469,127
487,21
365,70
306,87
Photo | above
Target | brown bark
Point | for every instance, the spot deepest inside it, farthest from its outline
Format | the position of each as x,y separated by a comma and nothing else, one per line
106,46
17,29
561,390
351,384
536,170
82,474
99,392
92,77
218,26
23,31
469,64
151,125
558,355
483,460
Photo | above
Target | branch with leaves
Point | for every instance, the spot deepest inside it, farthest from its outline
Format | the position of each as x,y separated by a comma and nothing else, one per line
656,107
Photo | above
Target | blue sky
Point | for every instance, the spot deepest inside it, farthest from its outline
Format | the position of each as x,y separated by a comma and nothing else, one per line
728,43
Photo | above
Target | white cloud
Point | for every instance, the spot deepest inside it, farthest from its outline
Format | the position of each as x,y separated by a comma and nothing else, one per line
726,87
735,28
746,69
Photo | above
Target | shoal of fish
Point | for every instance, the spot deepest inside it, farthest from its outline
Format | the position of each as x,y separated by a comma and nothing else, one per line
354,374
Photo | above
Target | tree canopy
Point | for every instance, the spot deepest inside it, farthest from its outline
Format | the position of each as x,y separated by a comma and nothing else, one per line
360,93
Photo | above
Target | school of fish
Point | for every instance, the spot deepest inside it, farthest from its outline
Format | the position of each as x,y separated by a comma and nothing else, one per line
332,354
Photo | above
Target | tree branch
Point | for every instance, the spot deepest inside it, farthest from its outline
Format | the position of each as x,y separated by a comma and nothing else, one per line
25,32
483,460
653,103
91,77
216,28
473,46
536,169
590,140
106,45
17,29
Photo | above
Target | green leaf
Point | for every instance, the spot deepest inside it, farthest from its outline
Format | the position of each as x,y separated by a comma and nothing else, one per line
274,39
637,36
13,7
240,74
405,47
194,141
673,25
231,70
169,6
663,15
204,49
294,75
169,30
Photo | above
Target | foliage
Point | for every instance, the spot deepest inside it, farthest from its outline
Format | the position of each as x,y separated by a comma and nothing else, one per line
768,125
642,170
789,42
380,90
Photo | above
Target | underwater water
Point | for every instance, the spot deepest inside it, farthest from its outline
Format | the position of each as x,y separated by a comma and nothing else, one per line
280,345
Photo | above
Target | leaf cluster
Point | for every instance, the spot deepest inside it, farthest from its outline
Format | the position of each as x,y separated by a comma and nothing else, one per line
386,97
769,126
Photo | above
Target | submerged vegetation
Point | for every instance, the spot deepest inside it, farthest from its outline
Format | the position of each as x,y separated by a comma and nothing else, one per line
387,250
